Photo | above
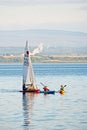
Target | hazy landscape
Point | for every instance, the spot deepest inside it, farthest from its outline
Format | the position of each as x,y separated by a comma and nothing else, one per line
48,55
58,46
49,38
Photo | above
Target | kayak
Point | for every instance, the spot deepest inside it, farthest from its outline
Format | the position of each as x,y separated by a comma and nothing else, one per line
61,91
48,92
30,91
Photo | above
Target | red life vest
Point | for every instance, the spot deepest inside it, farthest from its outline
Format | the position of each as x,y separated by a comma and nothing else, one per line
46,89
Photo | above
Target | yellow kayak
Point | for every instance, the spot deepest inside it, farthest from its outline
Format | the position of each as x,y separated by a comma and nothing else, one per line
61,91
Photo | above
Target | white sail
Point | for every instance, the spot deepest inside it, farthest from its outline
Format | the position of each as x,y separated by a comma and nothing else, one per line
28,73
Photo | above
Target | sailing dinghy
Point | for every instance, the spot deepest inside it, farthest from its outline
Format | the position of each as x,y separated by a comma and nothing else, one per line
29,84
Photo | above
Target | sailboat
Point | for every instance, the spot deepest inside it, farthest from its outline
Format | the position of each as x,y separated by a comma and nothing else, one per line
29,84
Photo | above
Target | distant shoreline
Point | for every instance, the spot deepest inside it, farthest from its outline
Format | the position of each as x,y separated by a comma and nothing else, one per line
44,59
44,63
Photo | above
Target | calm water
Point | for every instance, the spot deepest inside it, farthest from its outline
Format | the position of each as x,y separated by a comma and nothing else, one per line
39,111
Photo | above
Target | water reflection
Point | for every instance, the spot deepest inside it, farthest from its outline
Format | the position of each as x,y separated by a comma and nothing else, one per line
28,102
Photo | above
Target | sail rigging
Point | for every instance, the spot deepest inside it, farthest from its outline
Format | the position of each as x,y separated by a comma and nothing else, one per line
28,73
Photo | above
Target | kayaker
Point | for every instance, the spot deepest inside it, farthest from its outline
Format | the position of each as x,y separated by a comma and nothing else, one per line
62,87
46,88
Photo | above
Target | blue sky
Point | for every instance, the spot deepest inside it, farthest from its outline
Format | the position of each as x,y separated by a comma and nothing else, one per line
69,15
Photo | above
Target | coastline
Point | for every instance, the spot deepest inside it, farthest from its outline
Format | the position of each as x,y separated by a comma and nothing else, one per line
18,59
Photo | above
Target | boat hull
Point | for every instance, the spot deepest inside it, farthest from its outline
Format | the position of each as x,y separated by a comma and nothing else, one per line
48,92
30,91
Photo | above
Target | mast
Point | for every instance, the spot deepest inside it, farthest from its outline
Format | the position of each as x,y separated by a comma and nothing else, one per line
28,73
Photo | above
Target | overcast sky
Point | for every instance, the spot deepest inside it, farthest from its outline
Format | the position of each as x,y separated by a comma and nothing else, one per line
69,15
66,15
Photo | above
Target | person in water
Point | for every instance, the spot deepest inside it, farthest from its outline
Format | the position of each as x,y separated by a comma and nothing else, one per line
46,88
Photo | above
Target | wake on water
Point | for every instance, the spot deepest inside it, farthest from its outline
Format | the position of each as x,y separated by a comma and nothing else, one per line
8,91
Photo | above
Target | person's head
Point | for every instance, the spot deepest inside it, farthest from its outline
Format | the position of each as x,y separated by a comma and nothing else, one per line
61,86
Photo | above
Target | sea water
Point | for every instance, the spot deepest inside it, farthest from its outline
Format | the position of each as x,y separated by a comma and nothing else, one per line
30,111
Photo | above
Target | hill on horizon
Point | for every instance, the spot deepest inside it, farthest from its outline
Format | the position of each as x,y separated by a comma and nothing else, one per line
46,50
49,38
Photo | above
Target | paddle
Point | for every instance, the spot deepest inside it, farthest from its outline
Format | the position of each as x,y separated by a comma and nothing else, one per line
64,85
45,87
42,84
